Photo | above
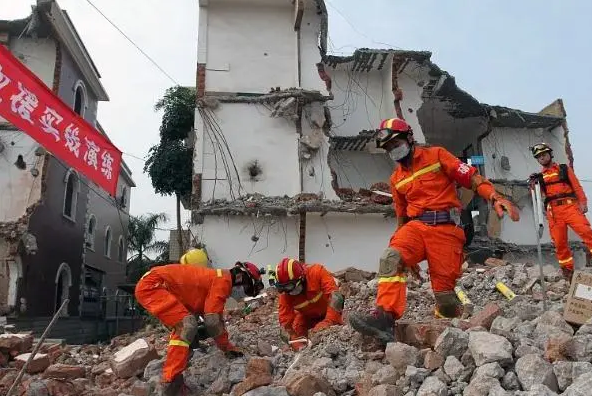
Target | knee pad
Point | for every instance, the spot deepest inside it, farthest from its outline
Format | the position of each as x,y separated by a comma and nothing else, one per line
337,301
390,261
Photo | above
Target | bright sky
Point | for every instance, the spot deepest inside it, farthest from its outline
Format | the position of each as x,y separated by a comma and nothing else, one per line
520,54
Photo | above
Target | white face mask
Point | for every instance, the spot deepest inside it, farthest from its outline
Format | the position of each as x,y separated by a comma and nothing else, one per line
297,290
238,293
398,153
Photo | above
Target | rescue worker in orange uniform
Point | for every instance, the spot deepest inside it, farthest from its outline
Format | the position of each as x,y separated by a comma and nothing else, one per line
565,205
424,189
176,294
309,300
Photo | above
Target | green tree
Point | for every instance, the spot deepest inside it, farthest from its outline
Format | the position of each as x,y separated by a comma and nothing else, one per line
170,163
141,240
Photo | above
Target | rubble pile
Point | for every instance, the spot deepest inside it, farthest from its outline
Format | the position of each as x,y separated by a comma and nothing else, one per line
506,346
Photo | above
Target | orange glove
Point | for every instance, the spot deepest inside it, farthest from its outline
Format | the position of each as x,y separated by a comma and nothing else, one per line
500,204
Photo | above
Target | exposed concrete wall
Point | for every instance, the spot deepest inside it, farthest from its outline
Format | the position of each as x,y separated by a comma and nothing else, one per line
310,30
243,58
360,100
19,188
342,240
252,135
360,169
230,239
4,276
38,55
514,143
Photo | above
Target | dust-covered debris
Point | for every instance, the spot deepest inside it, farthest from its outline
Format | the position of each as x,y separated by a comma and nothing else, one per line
505,347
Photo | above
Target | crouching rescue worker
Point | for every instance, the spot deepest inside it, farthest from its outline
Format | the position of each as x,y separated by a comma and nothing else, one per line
565,205
176,294
309,300
428,209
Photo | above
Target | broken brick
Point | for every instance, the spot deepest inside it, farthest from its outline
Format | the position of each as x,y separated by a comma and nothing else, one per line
486,316
133,359
420,334
433,360
64,371
258,373
37,365
15,344
494,262
308,385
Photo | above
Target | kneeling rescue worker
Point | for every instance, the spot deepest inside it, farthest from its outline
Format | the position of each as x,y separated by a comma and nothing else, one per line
428,216
565,205
309,300
176,294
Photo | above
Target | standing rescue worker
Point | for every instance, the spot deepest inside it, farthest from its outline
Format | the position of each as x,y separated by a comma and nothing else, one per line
309,300
428,216
176,294
565,205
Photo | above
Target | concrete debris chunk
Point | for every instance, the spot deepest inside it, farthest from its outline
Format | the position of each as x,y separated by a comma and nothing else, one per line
401,355
532,370
432,386
132,359
452,342
488,348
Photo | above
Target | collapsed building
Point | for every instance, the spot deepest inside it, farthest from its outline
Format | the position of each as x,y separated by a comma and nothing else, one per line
285,162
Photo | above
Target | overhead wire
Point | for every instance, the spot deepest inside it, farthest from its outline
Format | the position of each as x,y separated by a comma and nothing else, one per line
133,43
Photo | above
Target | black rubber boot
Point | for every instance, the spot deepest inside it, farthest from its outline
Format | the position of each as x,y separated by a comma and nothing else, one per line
174,388
378,323
567,273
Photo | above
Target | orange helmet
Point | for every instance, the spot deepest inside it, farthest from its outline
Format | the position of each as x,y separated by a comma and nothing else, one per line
289,274
390,129
254,285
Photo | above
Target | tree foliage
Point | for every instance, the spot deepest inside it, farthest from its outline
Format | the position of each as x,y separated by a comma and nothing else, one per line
169,166
141,240
178,104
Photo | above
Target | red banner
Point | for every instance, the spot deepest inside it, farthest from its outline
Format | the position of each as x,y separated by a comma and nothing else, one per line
28,104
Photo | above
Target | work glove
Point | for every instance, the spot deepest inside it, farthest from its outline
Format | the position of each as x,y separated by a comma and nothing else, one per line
584,208
500,204
287,334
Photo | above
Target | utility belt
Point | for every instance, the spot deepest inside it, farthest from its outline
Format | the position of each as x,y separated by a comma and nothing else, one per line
560,199
435,217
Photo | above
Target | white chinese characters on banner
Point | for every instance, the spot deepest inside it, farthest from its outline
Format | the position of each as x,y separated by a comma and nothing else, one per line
4,81
49,117
107,165
91,155
72,139
24,103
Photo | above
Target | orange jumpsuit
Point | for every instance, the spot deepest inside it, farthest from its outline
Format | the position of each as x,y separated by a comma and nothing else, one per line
563,212
171,292
429,184
298,314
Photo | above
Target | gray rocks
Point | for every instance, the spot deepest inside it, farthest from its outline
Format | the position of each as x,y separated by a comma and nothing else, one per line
416,376
505,327
567,372
452,342
401,355
538,390
453,367
432,386
488,348
532,370
268,391
489,370
580,387
384,390
510,381
386,375
483,387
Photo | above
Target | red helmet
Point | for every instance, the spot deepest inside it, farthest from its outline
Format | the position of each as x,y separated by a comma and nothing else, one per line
390,129
289,274
254,285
